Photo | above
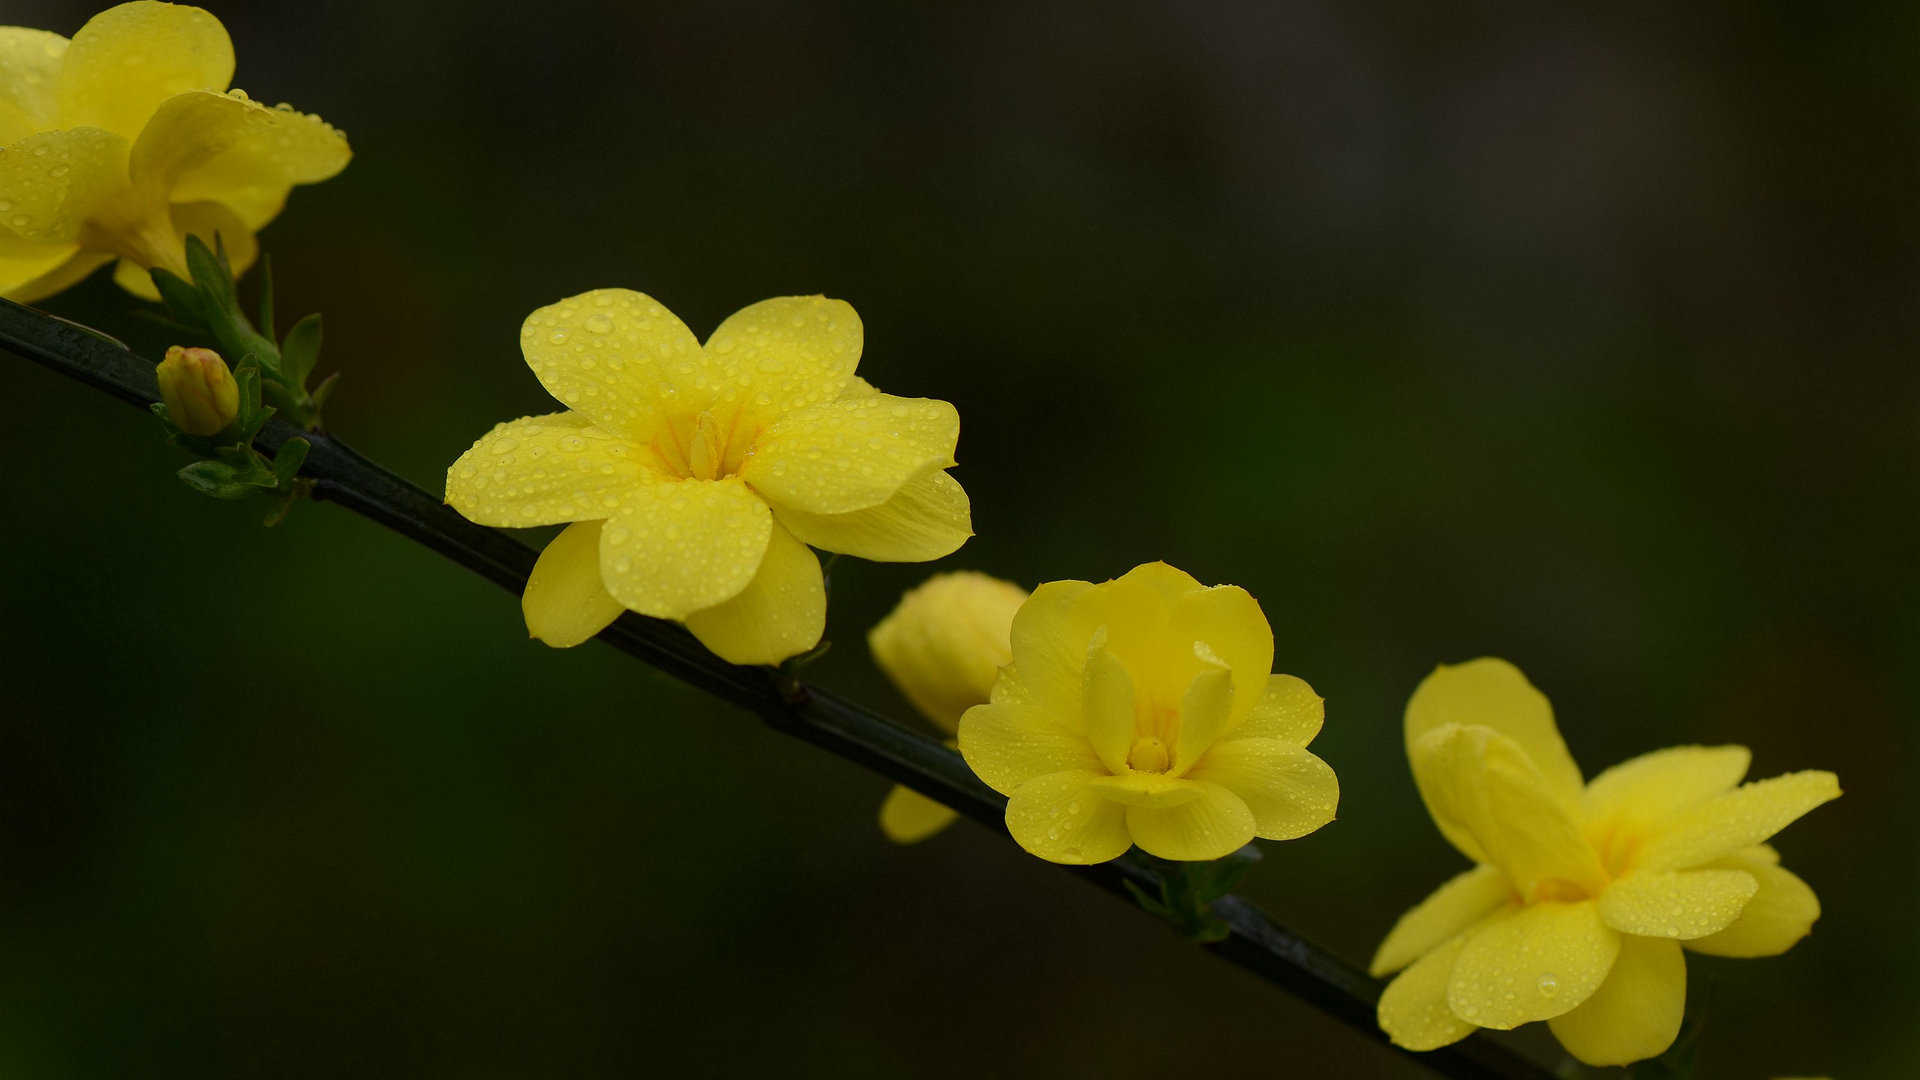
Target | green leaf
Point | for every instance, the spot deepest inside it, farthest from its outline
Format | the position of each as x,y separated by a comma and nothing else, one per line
324,391
211,276
286,463
219,480
1149,903
300,350
183,301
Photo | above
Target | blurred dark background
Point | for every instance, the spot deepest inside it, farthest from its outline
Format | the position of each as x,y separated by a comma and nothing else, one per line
1580,337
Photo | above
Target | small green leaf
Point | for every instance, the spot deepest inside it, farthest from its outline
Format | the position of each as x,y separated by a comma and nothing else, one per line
1151,905
219,480
211,275
286,463
183,301
300,350
324,391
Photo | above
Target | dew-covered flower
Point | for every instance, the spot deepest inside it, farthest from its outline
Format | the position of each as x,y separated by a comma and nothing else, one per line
1142,711
124,141
943,645
693,477
1583,895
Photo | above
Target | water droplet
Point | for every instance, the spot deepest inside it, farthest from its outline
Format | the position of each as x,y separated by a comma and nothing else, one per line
599,324
1549,986
558,337
505,446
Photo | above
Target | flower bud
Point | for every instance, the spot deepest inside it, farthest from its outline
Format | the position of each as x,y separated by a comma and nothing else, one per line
199,390
945,642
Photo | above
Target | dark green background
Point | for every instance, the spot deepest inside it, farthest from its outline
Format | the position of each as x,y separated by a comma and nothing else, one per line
1584,338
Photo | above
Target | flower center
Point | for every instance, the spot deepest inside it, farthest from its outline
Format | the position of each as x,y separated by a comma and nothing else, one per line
1148,754
704,446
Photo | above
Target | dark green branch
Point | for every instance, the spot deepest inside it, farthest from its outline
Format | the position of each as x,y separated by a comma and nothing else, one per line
812,715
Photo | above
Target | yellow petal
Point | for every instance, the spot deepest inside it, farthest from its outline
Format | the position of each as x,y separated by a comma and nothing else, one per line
54,181
1206,710
681,546
1289,711
128,59
927,518
1488,798
1677,904
1108,702
944,644
25,263
1781,912
1135,610
203,146
789,352
1413,1009
544,470
1010,742
1654,787
1147,789
1535,964
29,70
1229,621
1463,901
851,453
1050,635
782,612
565,603
1289,790
1058,819
908,817
1214,825
1493,693
1636,1013
215,225
1740,818
613,355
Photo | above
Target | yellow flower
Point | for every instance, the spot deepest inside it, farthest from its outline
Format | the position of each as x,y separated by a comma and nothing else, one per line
943,645
1583,894
200,393
1142,711
695,476
122,142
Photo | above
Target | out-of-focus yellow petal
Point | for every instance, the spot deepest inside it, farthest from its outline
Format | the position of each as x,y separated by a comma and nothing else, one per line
1206,711
927,518
1493,693
1537,963
1652,787
208,221
1289,711
851,453
53,181
1636,1013
544,470
908,817
1413,1010
782,612
1489,799
681,546
1781,913
1058,819
29,71
1464,900
787,353
24,263
65,274
944,644
1109,709
204,146
1740,818
1229,621
565,603
1050,635
611,354
128,59
1680,904
1214,825
1010,742
1289,790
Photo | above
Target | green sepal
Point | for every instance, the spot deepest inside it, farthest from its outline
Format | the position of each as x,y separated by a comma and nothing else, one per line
212,273
183,301
300,350
1146,900
286,463
223,480
324,391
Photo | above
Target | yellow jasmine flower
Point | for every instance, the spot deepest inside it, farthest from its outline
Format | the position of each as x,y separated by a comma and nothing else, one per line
943,645
125,140
693,477
200,393
1142,711
1582,895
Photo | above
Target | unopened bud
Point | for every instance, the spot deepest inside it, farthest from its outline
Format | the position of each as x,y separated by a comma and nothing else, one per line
199,390
945,642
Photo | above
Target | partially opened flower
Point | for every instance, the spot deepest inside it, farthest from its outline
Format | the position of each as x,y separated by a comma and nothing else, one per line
693,478
943,645
124,141
1142,711
1583,895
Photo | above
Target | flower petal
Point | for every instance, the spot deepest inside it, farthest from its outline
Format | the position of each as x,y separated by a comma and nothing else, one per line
1235,630
908,817
1050,635
614,355
29,71
544,470
1653,787
1781,913
1289,790
128,59
1146,789
1740,818
215,225
203,146
927,518
1289,711
1493,693
55,180
1108,701
782,612
851,453
1537,963
1214,825
1206,710
1413,1010
790,351
681,546
1636,1013
1465,899
564,602
26,266
1677,904
1058,819
1488,798
1009,742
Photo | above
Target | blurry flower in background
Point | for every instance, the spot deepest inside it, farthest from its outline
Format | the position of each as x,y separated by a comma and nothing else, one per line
1582,895
943,645
693,478
1142,711
124,141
